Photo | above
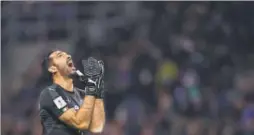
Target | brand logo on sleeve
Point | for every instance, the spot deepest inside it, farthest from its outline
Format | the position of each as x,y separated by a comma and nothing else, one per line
59,102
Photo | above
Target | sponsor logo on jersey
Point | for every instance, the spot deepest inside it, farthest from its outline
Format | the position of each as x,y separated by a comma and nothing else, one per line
76,107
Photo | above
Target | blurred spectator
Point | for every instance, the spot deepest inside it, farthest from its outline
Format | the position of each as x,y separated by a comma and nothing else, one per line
172,68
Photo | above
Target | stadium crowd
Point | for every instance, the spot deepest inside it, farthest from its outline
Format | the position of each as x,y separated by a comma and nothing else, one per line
173,68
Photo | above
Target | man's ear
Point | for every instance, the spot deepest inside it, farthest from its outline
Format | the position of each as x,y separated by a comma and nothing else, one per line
52,69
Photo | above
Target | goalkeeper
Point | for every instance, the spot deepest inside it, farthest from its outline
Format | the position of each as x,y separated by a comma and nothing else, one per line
63,111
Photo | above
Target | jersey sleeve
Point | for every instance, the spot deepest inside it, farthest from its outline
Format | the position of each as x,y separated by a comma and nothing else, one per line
55,104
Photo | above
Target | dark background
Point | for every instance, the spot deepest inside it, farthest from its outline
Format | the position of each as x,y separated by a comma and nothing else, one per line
172,68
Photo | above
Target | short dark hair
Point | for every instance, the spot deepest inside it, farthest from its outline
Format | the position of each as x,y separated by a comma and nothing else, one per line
45,65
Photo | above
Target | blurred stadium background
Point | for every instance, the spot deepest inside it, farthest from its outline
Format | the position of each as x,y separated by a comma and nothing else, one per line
172,68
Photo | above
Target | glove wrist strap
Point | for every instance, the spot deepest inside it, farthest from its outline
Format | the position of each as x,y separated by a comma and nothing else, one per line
91,91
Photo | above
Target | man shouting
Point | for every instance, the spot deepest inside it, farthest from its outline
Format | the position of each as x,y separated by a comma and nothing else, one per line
63,110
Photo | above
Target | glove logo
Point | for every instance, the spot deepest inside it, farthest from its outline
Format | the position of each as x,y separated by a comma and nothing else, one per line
91,81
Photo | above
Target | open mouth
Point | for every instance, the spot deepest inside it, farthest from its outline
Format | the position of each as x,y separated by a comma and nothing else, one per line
70,64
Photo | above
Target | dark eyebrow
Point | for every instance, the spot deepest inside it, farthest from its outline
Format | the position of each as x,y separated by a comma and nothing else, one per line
58,53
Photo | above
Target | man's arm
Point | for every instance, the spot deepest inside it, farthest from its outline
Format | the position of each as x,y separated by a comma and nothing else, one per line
56,104
98,117
80,119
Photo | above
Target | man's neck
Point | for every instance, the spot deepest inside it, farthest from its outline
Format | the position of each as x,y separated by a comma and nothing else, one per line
64,82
